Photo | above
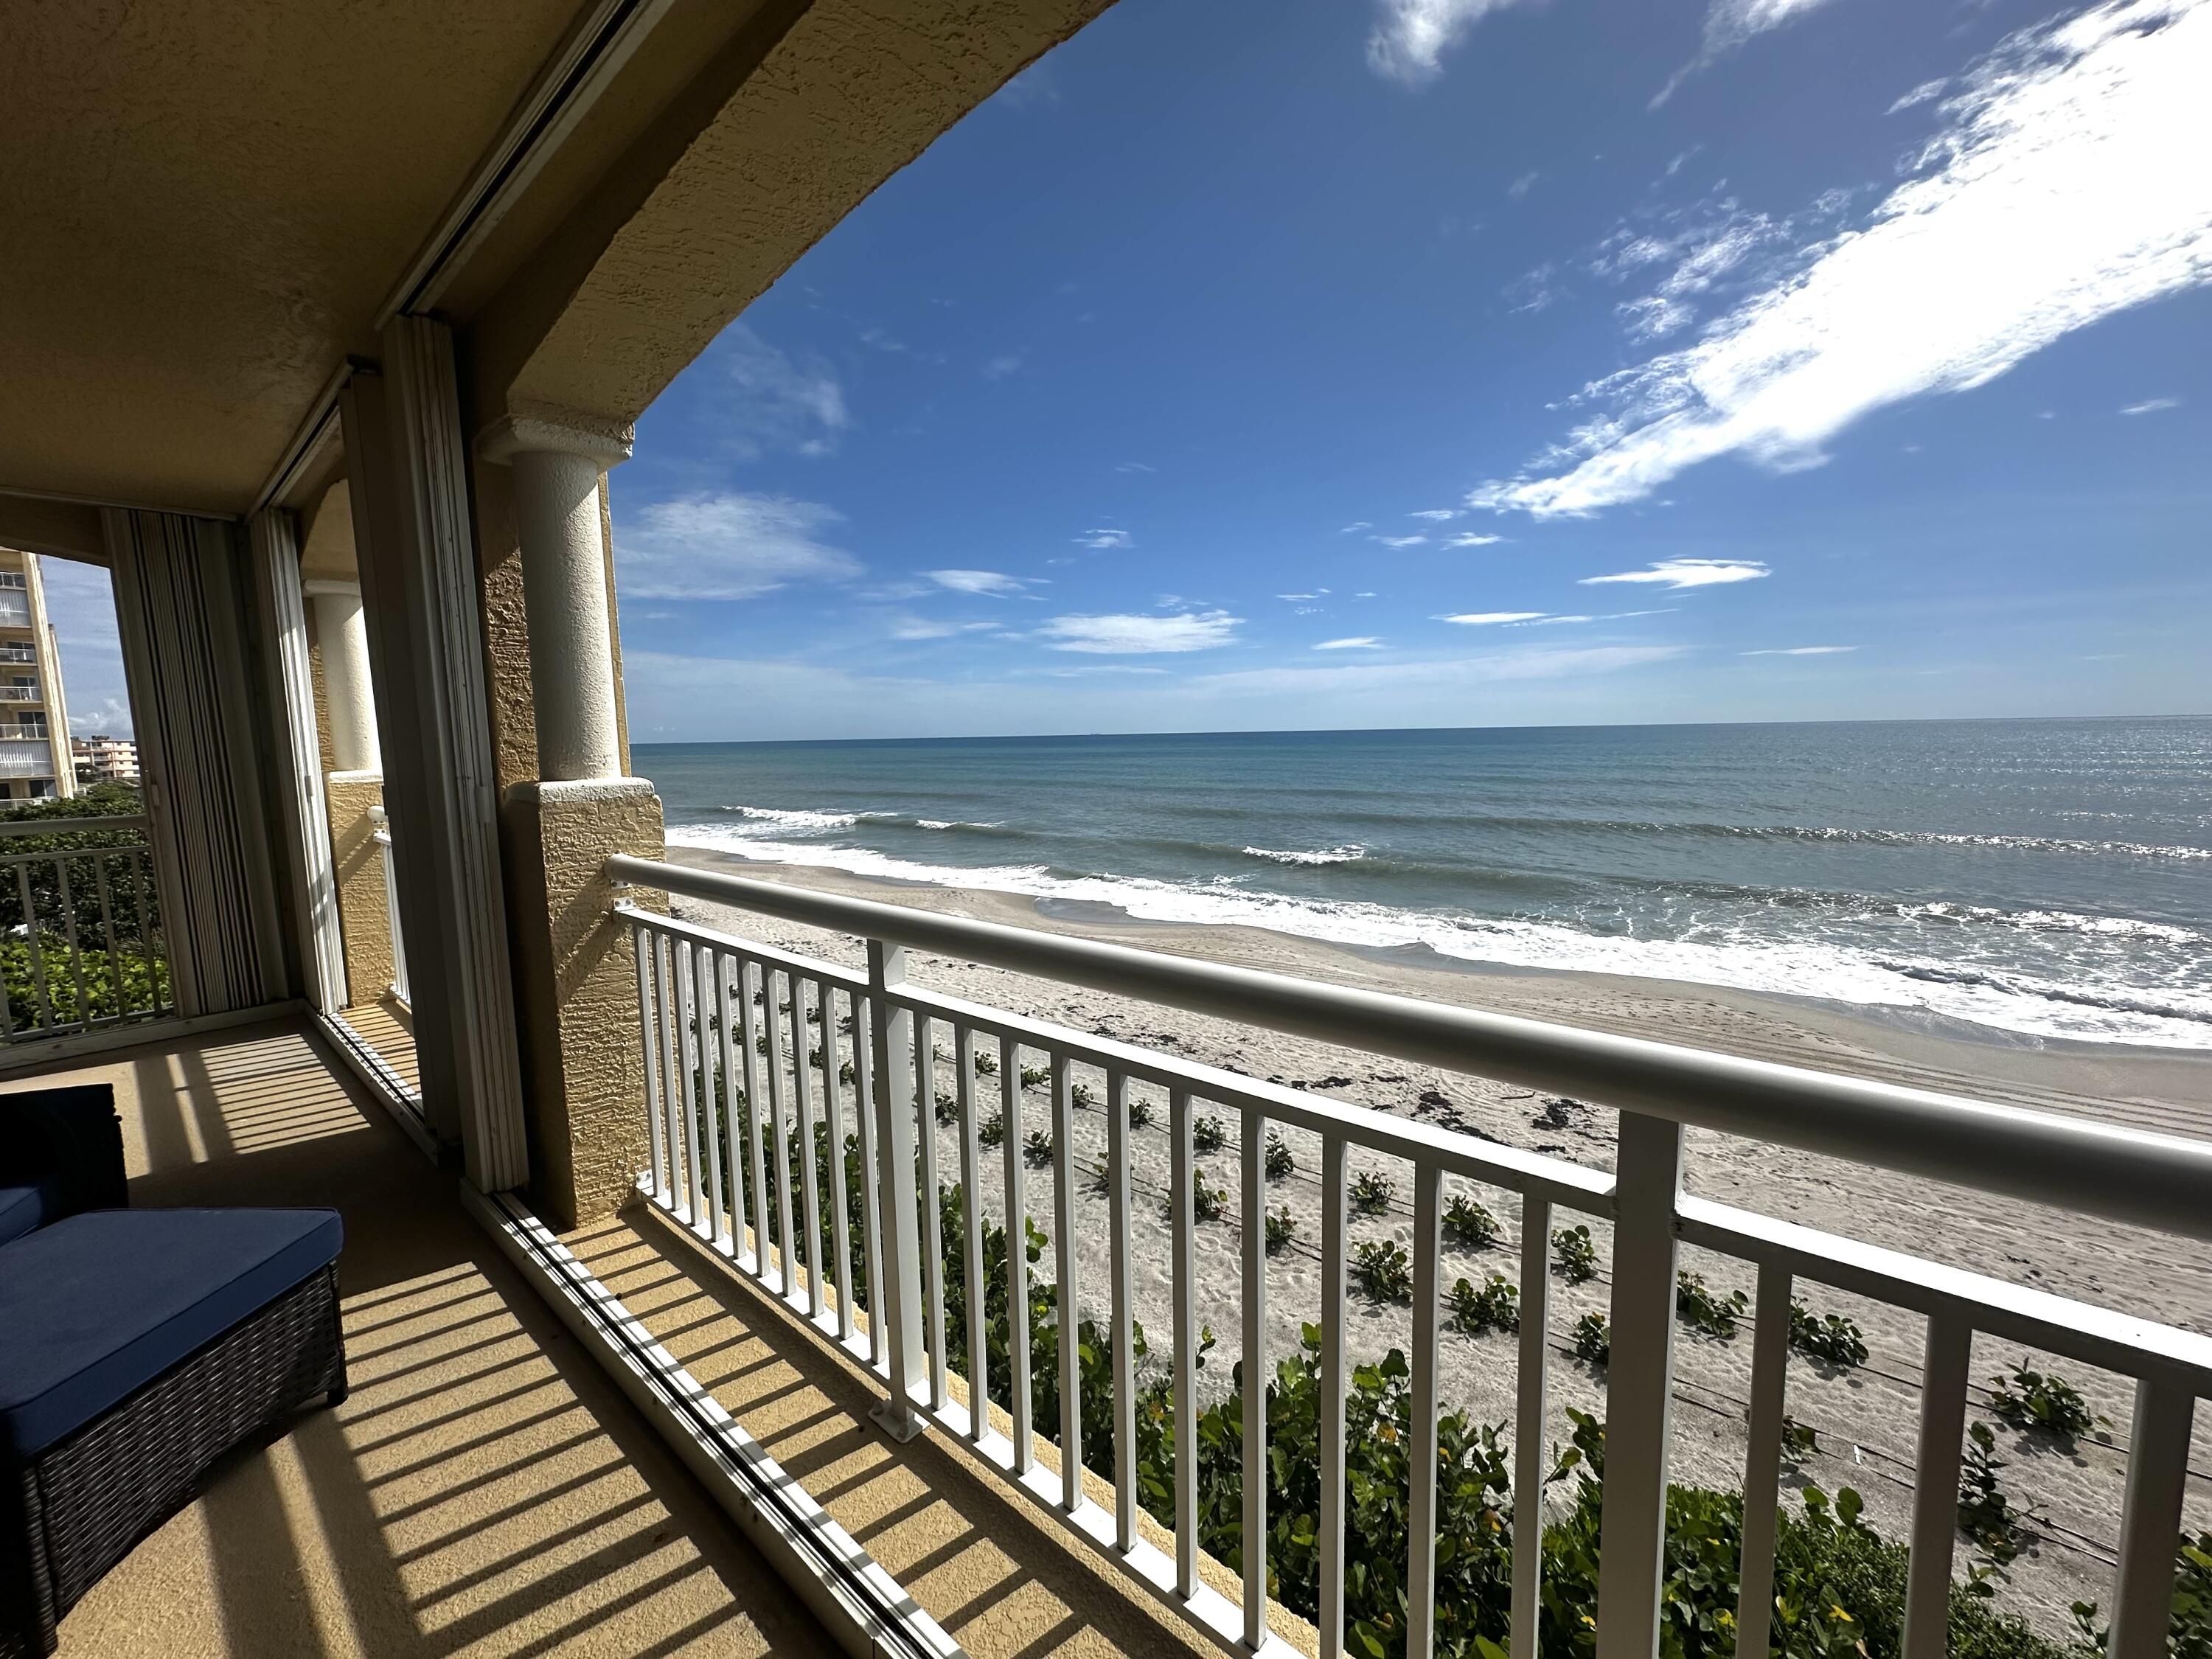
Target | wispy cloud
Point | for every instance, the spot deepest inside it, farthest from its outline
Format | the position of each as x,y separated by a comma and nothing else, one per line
1355,525
2152,406
1522,186
1355,642
1489,618
1316,594
1678,573
783,402
1438,514
2052,197
1729,24
727,545
1134,466
1399,541
991,583
1471,538
1410,37
1105,540
924,628
1802,651
1133,635
1005,363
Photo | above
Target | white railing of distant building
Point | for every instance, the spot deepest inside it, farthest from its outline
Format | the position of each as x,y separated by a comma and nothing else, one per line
79,917
19,693
721,1013
381,832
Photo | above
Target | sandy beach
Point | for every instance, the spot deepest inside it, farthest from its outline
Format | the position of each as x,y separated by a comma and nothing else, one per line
1864,1418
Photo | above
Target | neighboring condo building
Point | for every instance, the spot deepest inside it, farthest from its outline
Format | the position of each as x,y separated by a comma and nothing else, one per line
34,749
103,759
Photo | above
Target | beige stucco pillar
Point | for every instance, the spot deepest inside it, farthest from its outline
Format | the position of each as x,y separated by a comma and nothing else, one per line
564,590
341,636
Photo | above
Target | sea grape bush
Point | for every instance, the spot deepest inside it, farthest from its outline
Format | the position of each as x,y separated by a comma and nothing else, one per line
1036,1148
1279,1164
1208,1134
1468,1224
1830,1338
986,1063
1492,1306
1371,1193
1382,1271
1140,1111
1592,1340
1577,1257
1034,1075
1999,1527
2030,1400
1799,1440
1717,1316
1282,1228
1207,1203
992,1130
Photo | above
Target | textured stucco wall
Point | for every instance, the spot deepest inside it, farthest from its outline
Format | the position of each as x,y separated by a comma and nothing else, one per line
576,975
359,863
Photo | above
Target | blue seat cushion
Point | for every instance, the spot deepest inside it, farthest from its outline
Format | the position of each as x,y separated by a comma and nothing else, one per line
99,1304
23,1208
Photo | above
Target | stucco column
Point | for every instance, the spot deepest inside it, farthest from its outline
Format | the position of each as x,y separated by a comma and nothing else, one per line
564,590
342,637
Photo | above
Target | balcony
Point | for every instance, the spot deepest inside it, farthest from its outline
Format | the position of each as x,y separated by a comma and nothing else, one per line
15,609
19,694
26,757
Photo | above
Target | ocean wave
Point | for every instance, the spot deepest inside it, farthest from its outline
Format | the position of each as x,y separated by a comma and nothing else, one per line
1346,855
1799,967
794,818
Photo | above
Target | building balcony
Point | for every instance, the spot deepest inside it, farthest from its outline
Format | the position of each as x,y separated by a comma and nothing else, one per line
26,757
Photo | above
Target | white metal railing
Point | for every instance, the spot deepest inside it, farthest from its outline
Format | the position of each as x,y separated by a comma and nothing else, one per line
26,758
81,940
19,693
729,1066
381,832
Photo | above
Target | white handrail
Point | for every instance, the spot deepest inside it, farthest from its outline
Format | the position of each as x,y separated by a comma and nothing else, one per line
2129,1175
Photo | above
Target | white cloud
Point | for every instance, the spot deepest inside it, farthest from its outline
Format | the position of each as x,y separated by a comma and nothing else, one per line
1703,247
1134,466
1105,539
1523,185
1356,642
1926,92
727,545
991,583
1316,594
1729,24
997,367
81,606
1409,39
1470,539
1487,618
2152,406
1110,635
2054,196
1551,622
1357,524
924,628
1679,574
1438,514
783,401
1399,541
1802,651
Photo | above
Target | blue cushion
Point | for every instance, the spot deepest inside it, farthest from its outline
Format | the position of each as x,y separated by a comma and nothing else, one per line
98,1305
23,1208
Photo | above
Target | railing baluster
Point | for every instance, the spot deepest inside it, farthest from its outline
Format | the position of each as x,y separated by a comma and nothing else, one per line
649,1004
1018,1255
864,1131
1181,1232
787,1223
108,928
70,933
933,1209
841,1198
688,1037
38,955
753,978
971,1230
1125,1315
1333,1365
730,1152
140,860
1943,1380
1528,1413
1639,1390
1254,1173
891,1035
1762,1466
2150,1519
1421,1451
712,1089
670,1109
1071,1350
802,1083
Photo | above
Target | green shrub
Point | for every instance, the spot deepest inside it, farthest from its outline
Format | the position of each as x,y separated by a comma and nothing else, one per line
1495,1306
1208,1134
1034,1075
1036,1148
1987,1515
1140,1111
2029,1400
1207,1203
1281,1230
1832,1339
948,1107
1279,1162
1371,1193
1079,1093
986,1063
1468,1224
1382,1272
1717,1316
845,1074
992,1131
1574,1255
1593,1339
1799,1440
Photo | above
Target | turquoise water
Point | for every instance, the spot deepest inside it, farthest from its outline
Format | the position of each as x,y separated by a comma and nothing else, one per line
2046,878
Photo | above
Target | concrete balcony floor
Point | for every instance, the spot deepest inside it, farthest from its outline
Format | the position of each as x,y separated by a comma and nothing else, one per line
485,1491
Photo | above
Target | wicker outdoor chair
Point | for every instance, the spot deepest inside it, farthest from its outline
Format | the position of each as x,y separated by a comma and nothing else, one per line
136,1348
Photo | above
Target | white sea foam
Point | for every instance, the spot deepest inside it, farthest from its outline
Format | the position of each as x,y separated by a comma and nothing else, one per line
788,819
2176,1018
1326,855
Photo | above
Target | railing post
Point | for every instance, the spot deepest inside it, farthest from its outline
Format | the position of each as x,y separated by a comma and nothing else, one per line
1639,1386
891,1038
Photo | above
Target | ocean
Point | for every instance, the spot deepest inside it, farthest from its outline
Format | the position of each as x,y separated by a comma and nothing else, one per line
2044,878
